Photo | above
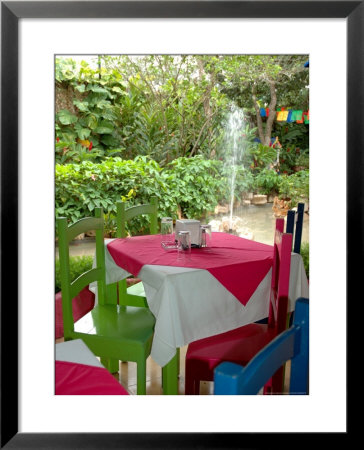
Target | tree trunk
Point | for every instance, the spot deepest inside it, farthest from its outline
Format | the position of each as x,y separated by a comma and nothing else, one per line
265,135
207,96
272,112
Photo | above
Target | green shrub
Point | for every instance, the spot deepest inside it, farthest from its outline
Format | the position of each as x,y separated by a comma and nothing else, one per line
78,265
262,156
266,182
294,186
305,253
82,187
189,185
301,184
193,184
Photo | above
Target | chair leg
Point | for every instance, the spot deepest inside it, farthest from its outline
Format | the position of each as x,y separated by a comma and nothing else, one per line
178,362
277,382
267,388
112,365
275,385
142,377
192,386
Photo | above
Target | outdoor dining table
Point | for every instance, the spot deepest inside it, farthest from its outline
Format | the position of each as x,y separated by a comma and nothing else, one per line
216,290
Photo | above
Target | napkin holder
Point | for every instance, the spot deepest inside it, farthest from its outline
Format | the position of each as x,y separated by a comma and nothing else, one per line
191,225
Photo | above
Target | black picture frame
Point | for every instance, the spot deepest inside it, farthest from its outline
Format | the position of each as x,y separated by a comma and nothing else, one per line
11,13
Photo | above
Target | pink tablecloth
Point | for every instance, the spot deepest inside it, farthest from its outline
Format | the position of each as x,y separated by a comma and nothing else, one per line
238,264
81,379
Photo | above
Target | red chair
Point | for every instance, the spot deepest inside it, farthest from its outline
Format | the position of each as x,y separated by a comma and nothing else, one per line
242,344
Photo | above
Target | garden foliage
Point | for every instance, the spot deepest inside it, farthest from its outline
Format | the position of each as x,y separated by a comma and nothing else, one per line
187,187
155,125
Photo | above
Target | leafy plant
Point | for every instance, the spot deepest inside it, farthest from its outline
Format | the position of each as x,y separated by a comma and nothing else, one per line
292,135
302,159
287,160
262,156
82,187
294,186
305,253
94,127
266,182
285,186
193,185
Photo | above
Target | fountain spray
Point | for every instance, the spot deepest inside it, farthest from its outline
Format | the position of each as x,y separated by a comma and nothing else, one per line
234,150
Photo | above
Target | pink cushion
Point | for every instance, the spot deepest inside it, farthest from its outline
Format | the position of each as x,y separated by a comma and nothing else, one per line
81,305
239,346
81,379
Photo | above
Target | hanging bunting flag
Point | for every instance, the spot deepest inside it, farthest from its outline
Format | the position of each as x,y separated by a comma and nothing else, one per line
299,116
288,115
294,116
282,116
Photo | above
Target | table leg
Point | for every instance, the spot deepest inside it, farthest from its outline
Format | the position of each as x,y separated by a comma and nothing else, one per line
170,376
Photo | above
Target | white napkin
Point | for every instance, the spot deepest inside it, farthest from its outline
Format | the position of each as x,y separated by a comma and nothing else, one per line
191,225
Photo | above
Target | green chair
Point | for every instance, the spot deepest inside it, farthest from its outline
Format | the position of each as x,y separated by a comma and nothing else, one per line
134,295
111,332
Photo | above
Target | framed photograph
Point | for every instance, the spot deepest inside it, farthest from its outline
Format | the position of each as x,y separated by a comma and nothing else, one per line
331,32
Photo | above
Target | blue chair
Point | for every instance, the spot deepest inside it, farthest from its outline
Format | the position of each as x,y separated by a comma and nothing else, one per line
296,231
292,344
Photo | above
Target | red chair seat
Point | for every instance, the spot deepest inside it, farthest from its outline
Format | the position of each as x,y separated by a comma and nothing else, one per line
205,354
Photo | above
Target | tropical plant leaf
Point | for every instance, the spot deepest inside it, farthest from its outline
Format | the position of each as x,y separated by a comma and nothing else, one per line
66,118
82,106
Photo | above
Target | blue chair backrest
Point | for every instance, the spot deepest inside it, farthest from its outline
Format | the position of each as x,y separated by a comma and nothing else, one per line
292,344
296,231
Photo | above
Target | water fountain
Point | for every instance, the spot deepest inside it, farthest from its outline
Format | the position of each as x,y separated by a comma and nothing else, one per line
234,146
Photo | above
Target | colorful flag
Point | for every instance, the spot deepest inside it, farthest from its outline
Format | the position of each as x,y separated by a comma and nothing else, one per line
282,116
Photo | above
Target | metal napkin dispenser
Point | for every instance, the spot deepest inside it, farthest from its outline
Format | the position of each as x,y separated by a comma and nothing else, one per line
191,225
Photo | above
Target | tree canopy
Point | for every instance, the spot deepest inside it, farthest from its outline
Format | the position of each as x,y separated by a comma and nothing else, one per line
170,106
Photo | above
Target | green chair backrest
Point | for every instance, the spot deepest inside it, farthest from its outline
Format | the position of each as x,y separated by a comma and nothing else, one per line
126,296
123,215
71,288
